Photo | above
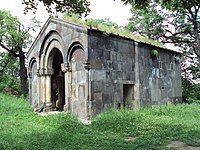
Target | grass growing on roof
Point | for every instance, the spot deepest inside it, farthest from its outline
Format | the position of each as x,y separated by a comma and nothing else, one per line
150,129
105,25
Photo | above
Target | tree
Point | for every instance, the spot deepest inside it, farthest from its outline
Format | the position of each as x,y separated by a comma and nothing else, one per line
176,22
9,73
148,23
72,6
14,36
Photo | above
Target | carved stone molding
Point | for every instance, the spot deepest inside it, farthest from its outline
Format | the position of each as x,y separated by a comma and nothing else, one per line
86,65
49,71
41,72
65,67
45,72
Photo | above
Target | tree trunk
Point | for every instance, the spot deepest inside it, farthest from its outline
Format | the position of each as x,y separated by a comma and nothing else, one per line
22,73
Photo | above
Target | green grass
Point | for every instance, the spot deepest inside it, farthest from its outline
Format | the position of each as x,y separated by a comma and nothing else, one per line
22,129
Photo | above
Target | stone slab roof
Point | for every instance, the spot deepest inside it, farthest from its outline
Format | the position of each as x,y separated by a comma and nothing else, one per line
120,33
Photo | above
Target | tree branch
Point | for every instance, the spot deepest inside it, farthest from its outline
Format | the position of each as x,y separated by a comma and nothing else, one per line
5,65
9,50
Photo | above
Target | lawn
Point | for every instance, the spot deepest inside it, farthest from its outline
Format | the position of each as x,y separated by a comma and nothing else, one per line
146,129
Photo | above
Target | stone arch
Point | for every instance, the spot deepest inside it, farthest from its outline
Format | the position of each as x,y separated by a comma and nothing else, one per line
54,61
30,63
72,48
51,52
51,40
33,83
76,58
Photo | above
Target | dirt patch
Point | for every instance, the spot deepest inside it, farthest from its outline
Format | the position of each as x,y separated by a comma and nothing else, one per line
130,138
178,145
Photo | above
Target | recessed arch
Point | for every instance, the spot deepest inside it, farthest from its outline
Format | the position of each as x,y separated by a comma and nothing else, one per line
30,63
72,48
48,58
33,80
51,35
57,79
76,57
51,40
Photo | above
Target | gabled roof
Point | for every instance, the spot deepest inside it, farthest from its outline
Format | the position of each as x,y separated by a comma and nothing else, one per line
51,20
117,32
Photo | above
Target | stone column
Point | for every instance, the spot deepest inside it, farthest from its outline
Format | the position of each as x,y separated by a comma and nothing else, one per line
48,103
40,103
136,103
66,69
87,91
38,83
42,84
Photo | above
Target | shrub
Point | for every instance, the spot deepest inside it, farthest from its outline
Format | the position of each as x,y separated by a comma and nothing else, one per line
154,53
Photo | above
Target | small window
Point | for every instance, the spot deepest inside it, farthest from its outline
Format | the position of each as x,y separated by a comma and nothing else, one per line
127,95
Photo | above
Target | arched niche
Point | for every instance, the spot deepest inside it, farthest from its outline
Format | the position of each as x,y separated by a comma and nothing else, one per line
33,83
51,40
76,58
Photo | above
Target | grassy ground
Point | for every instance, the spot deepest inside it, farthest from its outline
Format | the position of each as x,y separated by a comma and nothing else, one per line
22,129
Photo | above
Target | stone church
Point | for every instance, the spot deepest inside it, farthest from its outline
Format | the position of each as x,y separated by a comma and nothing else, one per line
82,70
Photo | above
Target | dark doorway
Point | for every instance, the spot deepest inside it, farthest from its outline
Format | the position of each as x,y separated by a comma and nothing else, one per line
57,82
127,95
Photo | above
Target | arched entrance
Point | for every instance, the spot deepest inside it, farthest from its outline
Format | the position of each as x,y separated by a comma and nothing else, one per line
57,81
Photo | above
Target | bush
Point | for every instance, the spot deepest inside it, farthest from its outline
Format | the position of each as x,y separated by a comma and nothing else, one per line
154,53
191,92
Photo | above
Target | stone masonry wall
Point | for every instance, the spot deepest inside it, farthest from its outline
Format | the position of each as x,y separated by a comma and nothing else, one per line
160,78
112,65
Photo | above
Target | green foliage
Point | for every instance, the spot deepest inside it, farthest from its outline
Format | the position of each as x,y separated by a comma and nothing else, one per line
147,22
105,22
152,128
73,6
154,53
9,74
14,37
13,34
111,28
194,96
190,92
176,22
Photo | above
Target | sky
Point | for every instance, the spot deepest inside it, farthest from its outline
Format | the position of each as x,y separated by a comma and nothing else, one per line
100,9
115,10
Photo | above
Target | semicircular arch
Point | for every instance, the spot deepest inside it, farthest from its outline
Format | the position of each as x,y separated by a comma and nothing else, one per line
51,41
72,48
31,62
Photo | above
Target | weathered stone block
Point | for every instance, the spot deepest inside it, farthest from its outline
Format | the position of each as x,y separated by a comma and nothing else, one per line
98,75
98,96
96,64
97,86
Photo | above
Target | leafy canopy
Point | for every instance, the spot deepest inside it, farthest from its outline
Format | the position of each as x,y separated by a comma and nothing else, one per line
14,37
73,6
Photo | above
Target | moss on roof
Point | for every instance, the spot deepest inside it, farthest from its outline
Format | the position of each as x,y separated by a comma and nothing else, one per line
119,31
